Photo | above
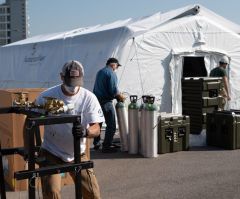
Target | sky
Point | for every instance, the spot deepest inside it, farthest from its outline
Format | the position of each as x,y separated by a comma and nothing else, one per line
50,16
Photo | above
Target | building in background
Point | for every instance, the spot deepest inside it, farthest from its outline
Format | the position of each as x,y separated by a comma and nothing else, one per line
13,21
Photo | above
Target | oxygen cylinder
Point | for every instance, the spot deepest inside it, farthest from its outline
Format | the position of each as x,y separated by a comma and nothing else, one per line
142,124
121,111
133,124
151,133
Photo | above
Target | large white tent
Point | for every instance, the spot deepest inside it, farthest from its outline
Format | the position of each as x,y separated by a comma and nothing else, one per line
151,49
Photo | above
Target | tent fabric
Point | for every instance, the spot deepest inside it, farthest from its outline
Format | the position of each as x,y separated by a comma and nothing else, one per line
169,43
151,50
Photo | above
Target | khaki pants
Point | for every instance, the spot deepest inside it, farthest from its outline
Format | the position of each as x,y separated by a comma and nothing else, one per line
223,98
51,185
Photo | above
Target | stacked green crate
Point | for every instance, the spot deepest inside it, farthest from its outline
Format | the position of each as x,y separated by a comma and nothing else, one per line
173,133
223,129
199,97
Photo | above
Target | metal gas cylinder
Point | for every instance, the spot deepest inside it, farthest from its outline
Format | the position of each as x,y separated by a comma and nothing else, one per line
151,133
142,124
122,118
133,124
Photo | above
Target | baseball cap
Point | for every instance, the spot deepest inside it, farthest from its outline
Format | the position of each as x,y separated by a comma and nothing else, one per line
73,73
112,60
224,60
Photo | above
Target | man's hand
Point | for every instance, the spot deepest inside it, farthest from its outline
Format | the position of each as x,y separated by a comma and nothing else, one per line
120,97
84,132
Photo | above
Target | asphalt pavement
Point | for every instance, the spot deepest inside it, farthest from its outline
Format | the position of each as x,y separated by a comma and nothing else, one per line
200,173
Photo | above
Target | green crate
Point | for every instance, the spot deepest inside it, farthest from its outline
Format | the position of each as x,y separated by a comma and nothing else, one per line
201,102
214,101
173,133
212,85
223,129
201,83
199,94
193,110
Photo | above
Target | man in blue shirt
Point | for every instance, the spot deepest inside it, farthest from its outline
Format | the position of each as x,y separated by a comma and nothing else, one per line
105,88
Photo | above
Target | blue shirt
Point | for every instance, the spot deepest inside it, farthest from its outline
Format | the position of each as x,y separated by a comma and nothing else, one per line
105,87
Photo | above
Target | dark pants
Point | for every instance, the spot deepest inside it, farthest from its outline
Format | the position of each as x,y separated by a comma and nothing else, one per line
110,120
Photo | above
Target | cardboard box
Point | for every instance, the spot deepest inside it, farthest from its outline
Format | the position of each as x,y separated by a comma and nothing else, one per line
11,135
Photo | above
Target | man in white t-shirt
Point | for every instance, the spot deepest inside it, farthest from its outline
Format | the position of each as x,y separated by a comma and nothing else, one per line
57,146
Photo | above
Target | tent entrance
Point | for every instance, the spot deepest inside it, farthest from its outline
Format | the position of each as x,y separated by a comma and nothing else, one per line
194,67
189,64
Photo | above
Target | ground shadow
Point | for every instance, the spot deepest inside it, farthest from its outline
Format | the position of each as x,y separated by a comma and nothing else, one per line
117,155
205,148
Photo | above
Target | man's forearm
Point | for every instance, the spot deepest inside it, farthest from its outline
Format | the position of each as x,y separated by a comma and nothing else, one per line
93,130
225,81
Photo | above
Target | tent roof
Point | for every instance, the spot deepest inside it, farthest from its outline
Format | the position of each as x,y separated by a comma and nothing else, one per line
137,26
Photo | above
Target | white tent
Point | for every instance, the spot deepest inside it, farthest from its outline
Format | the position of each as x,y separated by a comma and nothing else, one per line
151,50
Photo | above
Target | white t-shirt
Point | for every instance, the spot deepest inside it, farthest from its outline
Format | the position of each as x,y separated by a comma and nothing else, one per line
58,138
